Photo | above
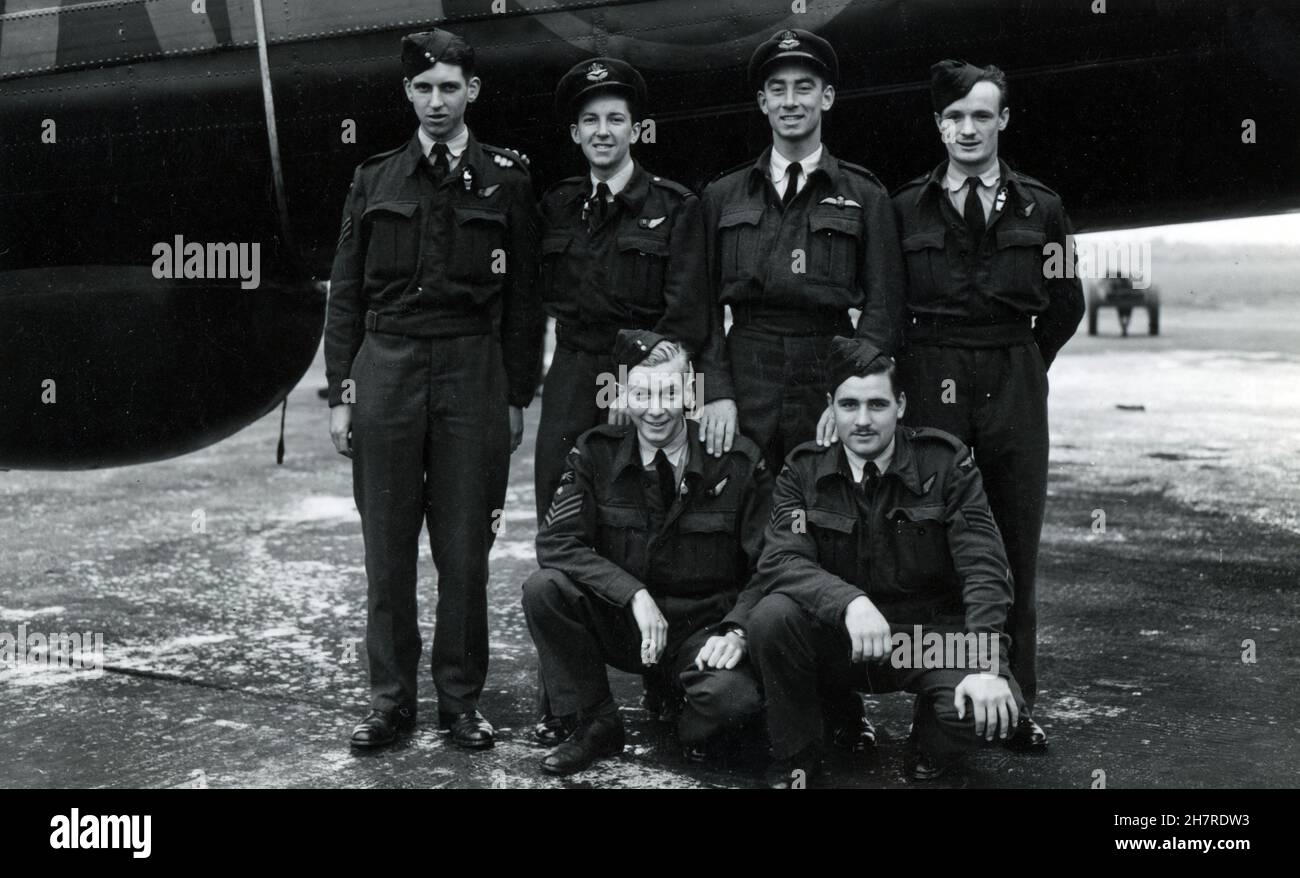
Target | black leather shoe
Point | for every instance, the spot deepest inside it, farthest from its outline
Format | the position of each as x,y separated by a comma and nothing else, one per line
856,734
469,730
1028,737
921,767
597,738
662,704
381,727
796,772
553,730
695,753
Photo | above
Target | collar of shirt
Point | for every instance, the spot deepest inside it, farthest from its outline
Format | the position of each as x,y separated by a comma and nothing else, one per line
954,183
455,146
857,462
779,164
675,451
616,183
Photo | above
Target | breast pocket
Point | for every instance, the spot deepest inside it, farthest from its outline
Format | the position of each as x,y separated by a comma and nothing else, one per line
392,230
926,267
707,547
738,241
1020,264
834,246
554,250
642,263
622,538
920,537
837,551
479,253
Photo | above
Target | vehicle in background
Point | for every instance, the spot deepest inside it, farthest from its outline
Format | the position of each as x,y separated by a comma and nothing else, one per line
1120,294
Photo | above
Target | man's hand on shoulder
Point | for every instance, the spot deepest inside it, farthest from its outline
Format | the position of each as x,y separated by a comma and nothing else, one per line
826,434
718,426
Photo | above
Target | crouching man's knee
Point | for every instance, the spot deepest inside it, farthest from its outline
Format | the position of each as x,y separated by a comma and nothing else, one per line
773,622
544,590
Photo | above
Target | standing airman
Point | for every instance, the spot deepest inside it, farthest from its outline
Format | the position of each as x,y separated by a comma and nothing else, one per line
431,348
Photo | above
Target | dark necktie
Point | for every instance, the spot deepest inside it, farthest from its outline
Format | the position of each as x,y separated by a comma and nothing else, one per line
667,480
441,161
870,478
791,188
974,210
598,206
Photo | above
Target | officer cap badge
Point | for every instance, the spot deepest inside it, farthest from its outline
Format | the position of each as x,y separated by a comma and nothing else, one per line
595,76
799,46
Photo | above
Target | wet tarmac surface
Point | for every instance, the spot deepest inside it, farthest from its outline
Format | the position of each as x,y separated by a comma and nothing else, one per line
230,596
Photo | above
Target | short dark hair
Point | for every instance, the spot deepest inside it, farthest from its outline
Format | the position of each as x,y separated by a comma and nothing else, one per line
951,80
879,366
461,54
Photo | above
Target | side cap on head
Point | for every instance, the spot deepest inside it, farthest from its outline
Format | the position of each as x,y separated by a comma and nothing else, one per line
849,357
951,81
632,346
420,51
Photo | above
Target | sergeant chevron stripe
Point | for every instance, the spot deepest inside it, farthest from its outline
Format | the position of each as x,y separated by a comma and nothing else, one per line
785,508
562,508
